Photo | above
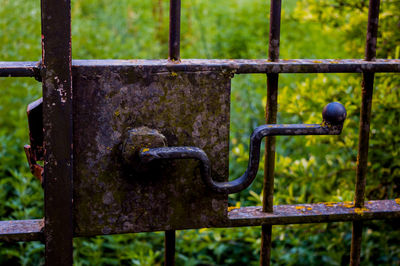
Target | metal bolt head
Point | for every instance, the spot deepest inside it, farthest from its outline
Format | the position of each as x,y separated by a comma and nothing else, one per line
334,113
140,138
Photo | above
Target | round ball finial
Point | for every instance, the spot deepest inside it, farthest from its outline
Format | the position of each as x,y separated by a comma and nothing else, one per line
334,113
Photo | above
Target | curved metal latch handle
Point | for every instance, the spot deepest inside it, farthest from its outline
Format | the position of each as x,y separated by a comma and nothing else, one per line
334,115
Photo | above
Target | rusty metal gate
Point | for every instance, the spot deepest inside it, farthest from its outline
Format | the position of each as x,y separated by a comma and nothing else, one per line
142,145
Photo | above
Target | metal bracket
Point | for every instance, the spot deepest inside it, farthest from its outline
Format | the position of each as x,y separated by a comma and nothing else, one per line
35,151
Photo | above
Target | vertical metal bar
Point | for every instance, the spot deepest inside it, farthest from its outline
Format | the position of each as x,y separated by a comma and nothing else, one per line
57,123
274,30
169,244
364,128
372,30
173,55
363,142
270,113
174,30
356,240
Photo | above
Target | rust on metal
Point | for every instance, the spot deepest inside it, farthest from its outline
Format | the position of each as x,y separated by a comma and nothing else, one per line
363,139
271,110
356,241
36,169
314,213
235,66
21,230
364,128
245,66
372,30
274,30
366,103
325,212
57,125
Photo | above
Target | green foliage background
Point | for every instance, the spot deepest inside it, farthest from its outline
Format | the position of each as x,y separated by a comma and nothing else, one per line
308,169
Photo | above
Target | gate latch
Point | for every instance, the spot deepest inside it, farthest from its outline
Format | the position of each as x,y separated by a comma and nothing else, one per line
334,115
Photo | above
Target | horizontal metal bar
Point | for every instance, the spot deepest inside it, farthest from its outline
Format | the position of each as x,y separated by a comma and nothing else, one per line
253,65
32,230
19,69
304,213
233,66
314,213
21,230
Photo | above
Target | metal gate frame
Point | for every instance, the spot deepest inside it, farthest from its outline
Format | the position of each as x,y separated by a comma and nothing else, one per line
55,72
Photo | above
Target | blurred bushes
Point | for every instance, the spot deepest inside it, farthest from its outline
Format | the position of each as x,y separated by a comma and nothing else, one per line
308,168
